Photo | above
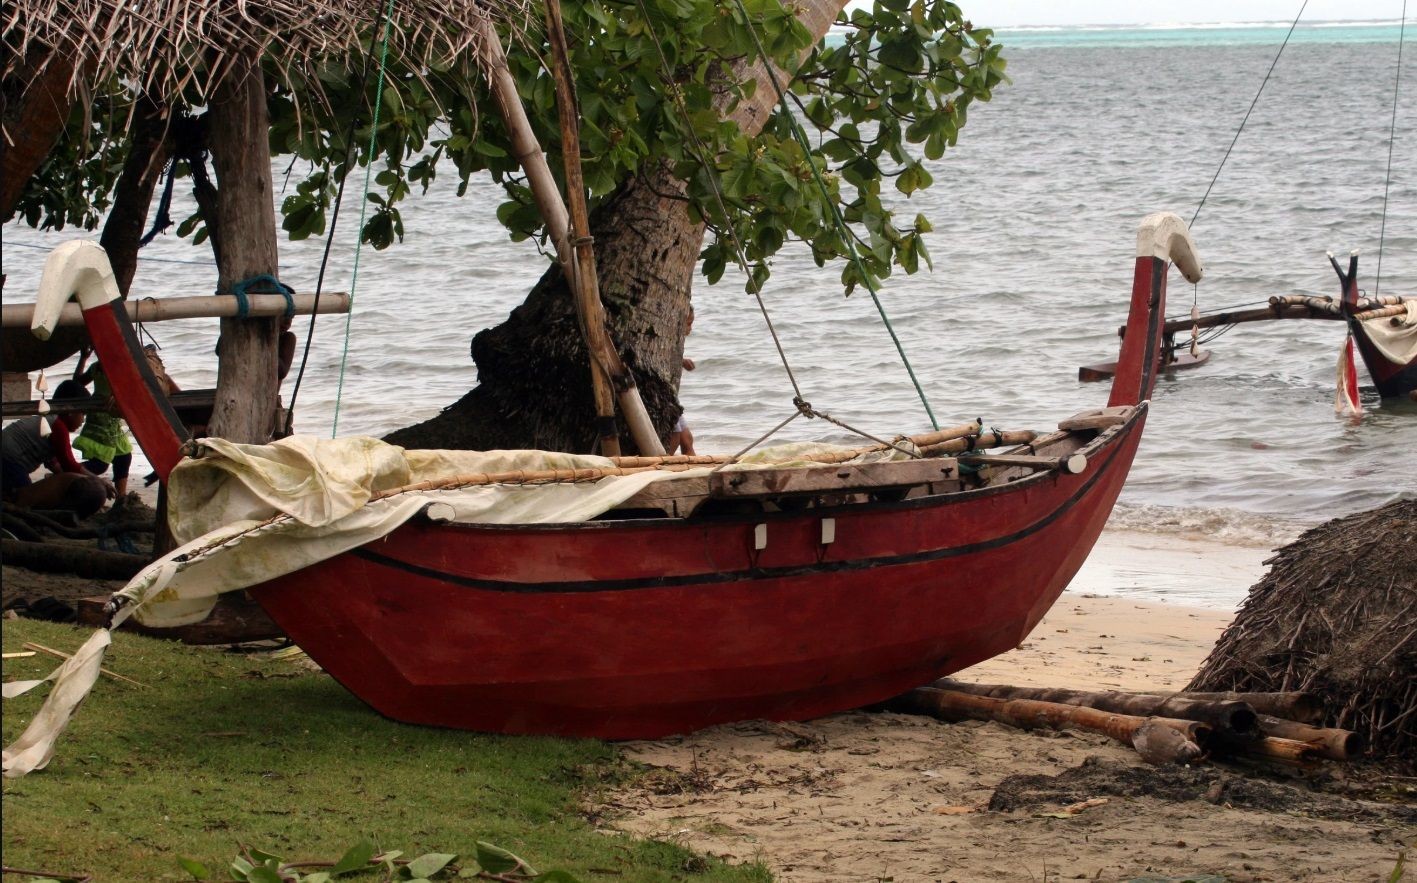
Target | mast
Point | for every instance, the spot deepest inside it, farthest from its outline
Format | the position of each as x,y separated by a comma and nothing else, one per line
576,256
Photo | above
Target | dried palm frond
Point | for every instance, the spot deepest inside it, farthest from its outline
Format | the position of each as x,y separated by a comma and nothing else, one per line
168,47
1335,616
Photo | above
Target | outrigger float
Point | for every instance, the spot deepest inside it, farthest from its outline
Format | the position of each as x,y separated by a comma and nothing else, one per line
1384,328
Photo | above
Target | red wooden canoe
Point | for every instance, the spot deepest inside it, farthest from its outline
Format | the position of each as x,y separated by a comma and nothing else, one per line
754,607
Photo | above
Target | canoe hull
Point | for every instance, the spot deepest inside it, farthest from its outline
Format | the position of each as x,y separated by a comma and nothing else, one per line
640,629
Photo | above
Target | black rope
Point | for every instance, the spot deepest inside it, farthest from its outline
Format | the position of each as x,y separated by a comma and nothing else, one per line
163,220
1392,136
1248,112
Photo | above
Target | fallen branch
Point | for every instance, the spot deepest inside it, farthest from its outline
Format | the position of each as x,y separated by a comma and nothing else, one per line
31,645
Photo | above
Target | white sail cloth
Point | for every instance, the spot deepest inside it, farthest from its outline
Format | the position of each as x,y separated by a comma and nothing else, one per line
245,514
1395,337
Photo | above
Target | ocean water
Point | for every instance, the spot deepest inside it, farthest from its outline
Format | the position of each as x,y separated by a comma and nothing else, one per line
1035,215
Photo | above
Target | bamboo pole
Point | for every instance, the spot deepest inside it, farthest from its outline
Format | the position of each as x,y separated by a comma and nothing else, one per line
991,439
586,286
1072,464
1382,313
153,309
1294,705
1157,739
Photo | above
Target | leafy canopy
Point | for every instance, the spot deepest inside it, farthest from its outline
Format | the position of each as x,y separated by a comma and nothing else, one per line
889,89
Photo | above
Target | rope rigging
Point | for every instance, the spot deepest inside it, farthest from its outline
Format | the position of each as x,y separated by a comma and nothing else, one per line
363,208
1391,138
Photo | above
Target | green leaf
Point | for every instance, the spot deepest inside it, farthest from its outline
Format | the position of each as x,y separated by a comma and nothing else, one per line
196,869
430,864
495,859
239,868
355,858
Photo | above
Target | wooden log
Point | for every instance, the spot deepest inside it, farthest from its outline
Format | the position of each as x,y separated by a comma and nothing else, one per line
1296,706
1231,717
1381,313
1332,743
1155,746
1286,751
152,309
78,560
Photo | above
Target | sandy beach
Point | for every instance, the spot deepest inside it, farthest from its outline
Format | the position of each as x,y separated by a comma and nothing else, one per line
861,796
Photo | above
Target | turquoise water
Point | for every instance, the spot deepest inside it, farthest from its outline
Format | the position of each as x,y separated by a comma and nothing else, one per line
1243,34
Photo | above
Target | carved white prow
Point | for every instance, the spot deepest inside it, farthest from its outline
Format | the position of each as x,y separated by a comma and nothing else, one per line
77,268
1164,235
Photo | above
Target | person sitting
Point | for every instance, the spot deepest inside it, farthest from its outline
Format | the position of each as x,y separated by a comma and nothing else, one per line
103,440
23,449
681,438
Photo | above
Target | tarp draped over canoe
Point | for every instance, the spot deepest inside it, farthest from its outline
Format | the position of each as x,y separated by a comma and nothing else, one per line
245,514
1395,337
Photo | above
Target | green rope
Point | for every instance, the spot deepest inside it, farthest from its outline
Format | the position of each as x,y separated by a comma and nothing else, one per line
846,234
363,208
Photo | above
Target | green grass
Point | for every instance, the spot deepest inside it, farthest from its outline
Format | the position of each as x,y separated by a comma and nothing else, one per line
224,749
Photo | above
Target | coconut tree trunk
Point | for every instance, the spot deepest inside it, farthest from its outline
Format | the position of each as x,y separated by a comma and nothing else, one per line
36,107
247,387
533,371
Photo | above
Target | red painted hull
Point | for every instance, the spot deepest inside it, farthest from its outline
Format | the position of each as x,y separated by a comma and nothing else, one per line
640,629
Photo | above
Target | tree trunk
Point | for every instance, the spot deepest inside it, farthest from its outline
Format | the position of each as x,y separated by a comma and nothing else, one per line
533,371
36,107
149,148
247,387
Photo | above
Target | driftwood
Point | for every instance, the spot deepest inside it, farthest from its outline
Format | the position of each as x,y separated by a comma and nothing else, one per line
1158,740
1230,716
1293,705
78,560
1329,742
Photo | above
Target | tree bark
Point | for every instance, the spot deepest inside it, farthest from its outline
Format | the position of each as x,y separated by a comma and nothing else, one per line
148,150
533,371
36,107
247,386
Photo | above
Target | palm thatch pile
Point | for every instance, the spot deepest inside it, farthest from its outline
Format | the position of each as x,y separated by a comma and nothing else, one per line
1336,616
169,47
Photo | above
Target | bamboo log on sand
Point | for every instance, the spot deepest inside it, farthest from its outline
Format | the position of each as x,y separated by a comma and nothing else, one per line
1231,717
1158,740
1294,706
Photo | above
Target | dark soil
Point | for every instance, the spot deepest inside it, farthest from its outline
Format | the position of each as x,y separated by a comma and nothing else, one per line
1096,777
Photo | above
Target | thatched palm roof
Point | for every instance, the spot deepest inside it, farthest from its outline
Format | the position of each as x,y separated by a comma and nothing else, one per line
166,47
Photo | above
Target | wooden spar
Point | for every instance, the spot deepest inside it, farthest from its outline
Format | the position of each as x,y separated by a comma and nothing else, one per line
985,440
585,286
1155,738
206,306
553,210
1296,706
1233,717
1335,744
1072,464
